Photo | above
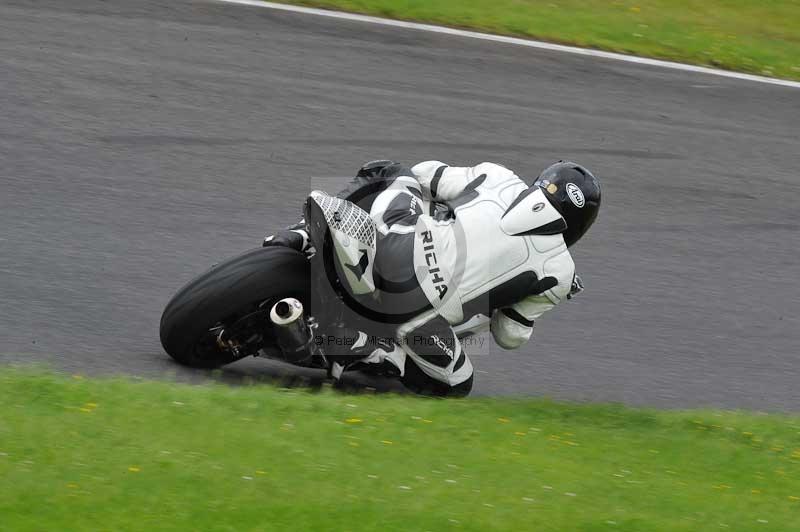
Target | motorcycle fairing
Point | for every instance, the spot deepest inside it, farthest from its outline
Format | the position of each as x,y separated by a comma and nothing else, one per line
352,234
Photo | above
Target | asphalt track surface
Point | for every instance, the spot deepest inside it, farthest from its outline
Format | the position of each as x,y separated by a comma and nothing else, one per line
142,141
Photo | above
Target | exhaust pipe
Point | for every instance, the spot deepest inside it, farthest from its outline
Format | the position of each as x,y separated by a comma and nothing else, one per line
291,330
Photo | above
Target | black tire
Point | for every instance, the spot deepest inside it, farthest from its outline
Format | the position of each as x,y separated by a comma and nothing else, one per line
224,293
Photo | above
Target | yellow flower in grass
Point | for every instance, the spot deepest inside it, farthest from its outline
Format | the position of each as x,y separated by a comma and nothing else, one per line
134,469
353,420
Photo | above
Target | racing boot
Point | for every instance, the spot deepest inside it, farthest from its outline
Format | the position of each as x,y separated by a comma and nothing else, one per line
356,350
387,359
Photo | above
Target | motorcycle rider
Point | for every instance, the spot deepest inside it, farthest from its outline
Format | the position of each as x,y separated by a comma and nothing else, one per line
455,242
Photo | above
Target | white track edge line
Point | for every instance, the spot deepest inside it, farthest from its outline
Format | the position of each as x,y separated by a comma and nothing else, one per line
517,41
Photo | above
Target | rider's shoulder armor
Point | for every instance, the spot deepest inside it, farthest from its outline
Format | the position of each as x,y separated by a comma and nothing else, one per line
495,173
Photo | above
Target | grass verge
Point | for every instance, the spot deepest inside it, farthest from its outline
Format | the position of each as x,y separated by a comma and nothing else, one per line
111,454
745,35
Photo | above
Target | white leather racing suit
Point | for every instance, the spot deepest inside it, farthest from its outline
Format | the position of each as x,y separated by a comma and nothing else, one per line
491,255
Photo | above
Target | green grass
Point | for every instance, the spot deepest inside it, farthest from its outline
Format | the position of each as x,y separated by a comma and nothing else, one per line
84,454
756,36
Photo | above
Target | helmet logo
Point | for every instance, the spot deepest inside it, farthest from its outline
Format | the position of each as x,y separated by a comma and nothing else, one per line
576,195
538,207
552,188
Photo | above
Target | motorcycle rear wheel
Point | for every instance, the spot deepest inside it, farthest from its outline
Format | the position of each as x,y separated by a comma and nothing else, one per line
225,293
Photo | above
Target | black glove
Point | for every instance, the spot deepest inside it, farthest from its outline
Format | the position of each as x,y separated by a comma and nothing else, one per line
295,239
